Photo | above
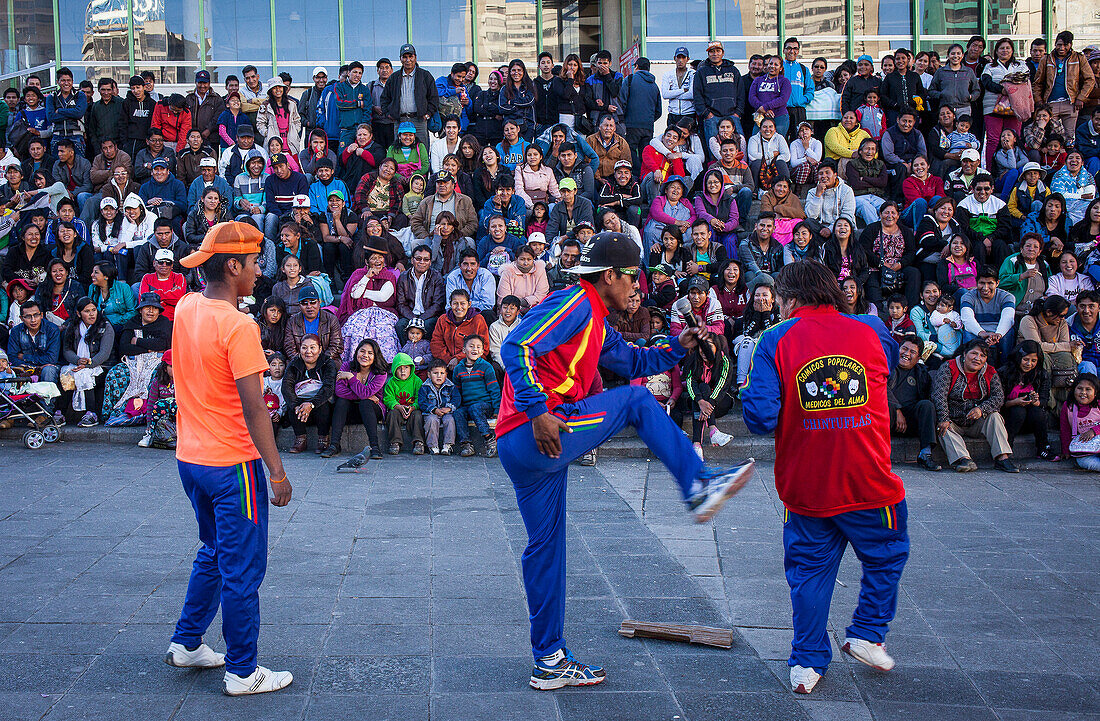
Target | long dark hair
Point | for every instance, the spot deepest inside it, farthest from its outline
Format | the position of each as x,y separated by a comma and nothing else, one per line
1092,380
70,331
272,334
471,165
377,368
1010,373
526,83
271,98
720,276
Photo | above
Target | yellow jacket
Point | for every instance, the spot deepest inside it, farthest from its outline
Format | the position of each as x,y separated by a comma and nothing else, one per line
839,143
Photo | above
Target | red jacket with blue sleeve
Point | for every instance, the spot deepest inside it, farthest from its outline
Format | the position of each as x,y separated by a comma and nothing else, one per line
818,380
552,357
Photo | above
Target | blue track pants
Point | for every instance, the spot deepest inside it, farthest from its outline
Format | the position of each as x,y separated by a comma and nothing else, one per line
230,504
540,483
813,548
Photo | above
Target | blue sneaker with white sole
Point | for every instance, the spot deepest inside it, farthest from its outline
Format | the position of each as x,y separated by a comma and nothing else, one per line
715,486
567,671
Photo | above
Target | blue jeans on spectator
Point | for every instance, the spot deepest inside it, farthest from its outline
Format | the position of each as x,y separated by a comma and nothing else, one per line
78,144
1088,463
1006,183
744,199
867,207
266,222
782,125
476,412
917,210
1003,347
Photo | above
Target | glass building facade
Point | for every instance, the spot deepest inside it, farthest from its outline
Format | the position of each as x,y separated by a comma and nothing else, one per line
173,38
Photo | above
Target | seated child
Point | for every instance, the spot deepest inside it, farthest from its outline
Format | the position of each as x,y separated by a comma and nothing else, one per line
961,138
872,117
663,286
948,324
480,393
438,399
400,396
502,326
273,388
19,290
1080,420
418,347
900,323
1053,155
537,241
709,395
160,428
540,217
414,197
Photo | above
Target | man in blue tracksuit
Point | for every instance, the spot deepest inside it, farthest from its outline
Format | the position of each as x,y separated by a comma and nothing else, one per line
546,422
802,85
224,441
818,379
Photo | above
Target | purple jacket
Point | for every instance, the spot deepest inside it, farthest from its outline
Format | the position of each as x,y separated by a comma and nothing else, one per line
772,94
353,389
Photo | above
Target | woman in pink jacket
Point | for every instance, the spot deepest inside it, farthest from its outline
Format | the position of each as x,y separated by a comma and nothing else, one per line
534,181
524,278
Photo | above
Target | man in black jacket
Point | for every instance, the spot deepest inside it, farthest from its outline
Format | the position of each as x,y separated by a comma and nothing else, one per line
106,120
410,95
900,87
419,293
137,114
717,91
909,393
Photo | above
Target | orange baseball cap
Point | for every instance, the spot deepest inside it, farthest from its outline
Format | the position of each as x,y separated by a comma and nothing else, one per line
227,237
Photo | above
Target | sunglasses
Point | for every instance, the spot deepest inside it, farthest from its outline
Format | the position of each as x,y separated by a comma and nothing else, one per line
308,302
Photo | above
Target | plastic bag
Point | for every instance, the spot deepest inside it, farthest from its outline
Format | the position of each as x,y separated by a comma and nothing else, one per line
1020,97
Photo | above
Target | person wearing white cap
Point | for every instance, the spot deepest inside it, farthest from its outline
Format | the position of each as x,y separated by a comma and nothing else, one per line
958,181
165,282
308,102
1028,194
208,176
137,223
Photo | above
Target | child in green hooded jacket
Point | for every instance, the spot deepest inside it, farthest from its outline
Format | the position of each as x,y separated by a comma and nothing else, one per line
399,395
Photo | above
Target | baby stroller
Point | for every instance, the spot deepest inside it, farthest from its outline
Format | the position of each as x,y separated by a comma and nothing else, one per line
19,402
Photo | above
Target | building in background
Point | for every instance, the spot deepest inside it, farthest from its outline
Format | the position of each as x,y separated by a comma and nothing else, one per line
173,38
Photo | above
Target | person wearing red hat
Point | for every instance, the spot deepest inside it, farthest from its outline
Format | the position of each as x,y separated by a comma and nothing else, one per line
223,431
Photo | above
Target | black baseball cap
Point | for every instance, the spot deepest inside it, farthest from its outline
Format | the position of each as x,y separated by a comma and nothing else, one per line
605,251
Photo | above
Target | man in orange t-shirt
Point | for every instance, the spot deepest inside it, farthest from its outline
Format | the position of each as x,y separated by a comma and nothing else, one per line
223,430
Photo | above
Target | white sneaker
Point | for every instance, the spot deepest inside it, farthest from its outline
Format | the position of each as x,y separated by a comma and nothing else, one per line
201,657
434,450
698,450
448,448
872,654
146,441
262,680
803,679
718,438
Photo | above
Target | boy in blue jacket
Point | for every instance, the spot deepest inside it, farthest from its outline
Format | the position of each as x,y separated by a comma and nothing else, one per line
480,397
439,399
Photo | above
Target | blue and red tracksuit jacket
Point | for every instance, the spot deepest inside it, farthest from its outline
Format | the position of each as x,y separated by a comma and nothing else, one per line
551,358
818,380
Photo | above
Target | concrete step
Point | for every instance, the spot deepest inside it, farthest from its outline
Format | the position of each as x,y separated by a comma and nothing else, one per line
625,444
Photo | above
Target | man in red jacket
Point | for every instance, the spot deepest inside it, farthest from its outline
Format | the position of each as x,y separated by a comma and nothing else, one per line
818,379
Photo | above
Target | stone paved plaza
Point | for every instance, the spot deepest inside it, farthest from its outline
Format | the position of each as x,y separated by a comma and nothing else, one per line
396,594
